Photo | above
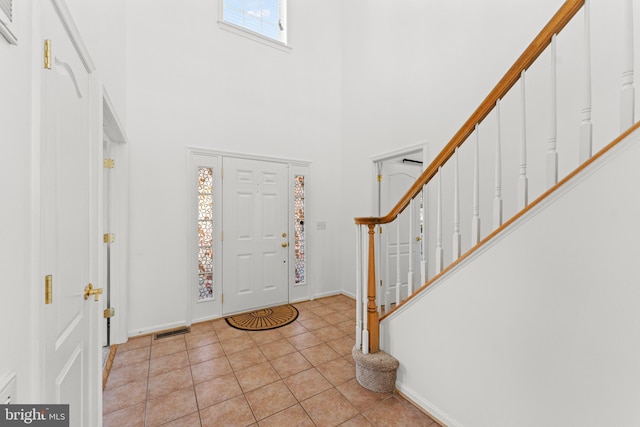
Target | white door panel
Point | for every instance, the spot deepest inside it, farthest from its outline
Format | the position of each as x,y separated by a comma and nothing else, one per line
255,216
66,180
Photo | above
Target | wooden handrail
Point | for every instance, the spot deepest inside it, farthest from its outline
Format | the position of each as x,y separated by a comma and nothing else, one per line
562,17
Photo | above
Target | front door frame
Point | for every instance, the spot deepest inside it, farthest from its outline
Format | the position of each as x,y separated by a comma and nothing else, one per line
195,156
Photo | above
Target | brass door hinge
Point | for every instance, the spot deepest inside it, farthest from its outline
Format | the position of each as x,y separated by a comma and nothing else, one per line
47,54
109,312
222,297
109,163
48,289
109,238
222,236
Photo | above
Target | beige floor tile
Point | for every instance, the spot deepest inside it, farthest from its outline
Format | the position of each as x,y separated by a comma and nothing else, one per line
217,390
329,408
290,364
168,363
172,406
337,318
130,357
269,399
207,352
293,416
232,412
292,329
359,396
324,311
347,326
265,337
199,340
357,421
167,348
307,384
133,343
313,324
394,412
328,333
337,371
227,333
343,345
319,354
191,420
246,358
133,416
165,340
305,340
257,376
202,327
169,382
276,349
128,374
116,398
306,315
210,369
235,345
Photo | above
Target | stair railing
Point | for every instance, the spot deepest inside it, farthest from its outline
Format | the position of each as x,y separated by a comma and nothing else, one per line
378,306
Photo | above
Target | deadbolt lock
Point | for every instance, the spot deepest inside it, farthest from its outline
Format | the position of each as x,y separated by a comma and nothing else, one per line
88,291
284,234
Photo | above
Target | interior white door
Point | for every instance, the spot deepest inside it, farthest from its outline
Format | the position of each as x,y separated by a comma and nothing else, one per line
255,218
399,241
71,326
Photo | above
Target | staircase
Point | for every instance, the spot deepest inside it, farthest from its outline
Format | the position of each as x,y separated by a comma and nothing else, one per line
523,310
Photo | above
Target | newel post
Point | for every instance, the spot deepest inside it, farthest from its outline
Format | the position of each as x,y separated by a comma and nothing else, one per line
372,308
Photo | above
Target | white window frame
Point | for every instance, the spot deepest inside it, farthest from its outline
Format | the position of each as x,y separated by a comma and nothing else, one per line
5,27
252,35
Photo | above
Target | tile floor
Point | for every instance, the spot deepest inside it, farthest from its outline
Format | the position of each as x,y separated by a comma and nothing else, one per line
302,374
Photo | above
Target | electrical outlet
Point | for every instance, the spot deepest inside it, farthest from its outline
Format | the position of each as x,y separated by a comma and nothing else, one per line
8,389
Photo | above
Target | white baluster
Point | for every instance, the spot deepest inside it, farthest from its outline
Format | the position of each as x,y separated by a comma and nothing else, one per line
552,154
523,182
475,219
439,252
398,283
457,237
411,233
586,128
424,271
359,287
627,97
497,200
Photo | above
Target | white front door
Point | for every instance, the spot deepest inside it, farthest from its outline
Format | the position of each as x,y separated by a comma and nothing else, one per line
255,218
400,248
70,333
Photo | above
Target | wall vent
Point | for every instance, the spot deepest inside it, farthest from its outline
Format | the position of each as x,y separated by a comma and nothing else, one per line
166,334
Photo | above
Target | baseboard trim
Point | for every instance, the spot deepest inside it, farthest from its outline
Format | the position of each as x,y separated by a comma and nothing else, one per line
107,367
427,407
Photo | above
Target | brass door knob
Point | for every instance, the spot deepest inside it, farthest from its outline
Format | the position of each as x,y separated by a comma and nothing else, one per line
285,244
88,291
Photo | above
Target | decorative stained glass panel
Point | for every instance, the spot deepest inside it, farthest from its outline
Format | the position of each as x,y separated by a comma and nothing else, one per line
298,214
205,233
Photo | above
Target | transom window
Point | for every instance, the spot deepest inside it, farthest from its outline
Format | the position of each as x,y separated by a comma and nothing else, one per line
266,18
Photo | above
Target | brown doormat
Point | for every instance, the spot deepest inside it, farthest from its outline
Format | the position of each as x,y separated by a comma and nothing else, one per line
262,320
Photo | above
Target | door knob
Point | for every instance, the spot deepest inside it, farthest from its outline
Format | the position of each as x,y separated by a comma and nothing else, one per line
418,238
285,244
88,291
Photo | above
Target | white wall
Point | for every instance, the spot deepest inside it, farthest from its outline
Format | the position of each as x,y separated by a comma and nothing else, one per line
102,25
542,325
192,84
15,214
